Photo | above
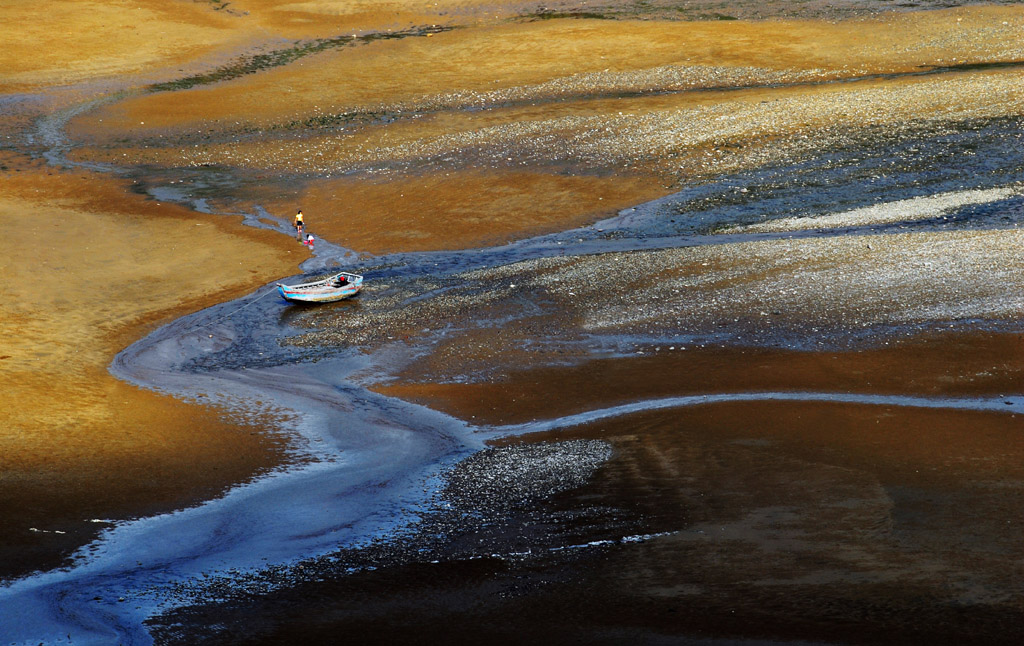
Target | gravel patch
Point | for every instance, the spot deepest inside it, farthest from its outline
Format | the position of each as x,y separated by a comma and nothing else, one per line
663,79
667,134
917,208
491,504
794,291
497,480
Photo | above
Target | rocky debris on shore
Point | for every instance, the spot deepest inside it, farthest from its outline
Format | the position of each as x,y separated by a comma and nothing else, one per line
501,479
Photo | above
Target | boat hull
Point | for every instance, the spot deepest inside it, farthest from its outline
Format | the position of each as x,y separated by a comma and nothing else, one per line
322,291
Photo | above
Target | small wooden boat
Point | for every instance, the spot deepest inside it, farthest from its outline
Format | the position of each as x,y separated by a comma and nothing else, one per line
330,289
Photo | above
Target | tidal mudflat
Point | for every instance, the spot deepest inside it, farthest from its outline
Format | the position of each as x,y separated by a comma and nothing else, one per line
687,322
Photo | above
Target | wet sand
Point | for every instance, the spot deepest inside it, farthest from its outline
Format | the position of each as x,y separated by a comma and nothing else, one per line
938,366
833,489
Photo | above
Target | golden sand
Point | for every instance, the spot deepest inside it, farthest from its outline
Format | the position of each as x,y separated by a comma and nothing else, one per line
89,267
67,41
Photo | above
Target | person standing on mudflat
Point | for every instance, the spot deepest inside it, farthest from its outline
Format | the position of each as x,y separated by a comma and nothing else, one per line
299,225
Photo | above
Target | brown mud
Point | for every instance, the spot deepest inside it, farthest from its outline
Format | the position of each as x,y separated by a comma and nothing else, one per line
950,365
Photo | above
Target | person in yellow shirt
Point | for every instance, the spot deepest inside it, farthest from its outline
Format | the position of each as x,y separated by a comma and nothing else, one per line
299,225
